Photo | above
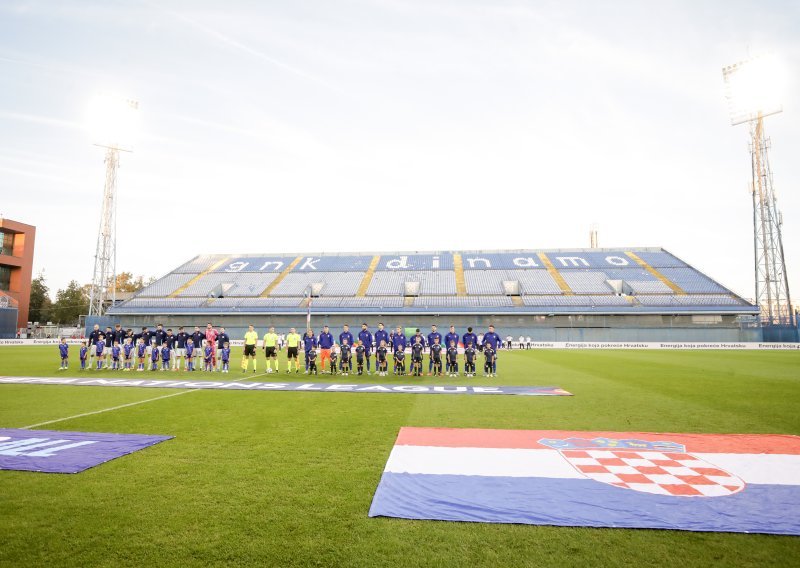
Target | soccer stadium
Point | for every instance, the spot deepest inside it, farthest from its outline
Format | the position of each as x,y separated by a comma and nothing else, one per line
302,333
639,294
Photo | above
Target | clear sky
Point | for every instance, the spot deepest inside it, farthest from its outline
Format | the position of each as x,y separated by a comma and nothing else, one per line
393,125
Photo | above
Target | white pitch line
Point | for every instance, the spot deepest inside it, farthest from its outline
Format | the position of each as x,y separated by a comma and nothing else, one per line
108,409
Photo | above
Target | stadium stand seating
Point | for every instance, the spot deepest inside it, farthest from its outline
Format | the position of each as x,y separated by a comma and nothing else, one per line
165,302
462,301
660,259
523,281
574,301
587,281
432,282
648,287
533,281
691,281
690,300
333,283
270,302
199,264
237,284
166,285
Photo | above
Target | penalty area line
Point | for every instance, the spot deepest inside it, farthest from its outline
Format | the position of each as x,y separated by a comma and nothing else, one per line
107,409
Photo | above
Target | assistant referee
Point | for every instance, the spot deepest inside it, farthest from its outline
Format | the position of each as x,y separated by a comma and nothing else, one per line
270,346
250,340
292,345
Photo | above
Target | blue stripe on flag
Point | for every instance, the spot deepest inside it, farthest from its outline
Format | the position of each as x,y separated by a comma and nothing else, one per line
773,509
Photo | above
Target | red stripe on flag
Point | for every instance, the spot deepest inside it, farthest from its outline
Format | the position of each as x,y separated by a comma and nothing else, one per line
529,439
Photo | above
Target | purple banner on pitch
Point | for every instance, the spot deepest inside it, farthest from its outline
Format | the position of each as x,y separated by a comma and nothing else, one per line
51,451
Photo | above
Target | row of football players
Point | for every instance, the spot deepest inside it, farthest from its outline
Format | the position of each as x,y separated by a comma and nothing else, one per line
438,358
143,356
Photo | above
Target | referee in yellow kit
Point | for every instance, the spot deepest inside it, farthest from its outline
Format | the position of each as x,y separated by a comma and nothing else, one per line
250,340
292,347
271,349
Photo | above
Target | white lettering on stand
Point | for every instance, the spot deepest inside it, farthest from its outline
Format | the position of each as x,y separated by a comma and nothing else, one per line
574,260
309,263
397,263
277,263
485,261
525,262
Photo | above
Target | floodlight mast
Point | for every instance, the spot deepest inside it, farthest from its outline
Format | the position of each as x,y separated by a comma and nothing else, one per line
104,279
771,279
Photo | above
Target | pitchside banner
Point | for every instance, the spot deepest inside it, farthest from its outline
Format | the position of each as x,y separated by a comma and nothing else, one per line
52,451
299,387
694,482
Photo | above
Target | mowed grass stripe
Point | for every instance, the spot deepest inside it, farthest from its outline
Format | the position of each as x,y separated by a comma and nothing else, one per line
286,478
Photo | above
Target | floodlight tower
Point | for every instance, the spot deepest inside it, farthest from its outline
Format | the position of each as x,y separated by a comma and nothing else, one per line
753,92
112,121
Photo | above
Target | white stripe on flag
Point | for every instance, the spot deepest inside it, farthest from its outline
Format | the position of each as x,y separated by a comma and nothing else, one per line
766,469
500,462
763,469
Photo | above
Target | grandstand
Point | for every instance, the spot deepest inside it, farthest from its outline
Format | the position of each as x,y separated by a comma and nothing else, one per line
632,294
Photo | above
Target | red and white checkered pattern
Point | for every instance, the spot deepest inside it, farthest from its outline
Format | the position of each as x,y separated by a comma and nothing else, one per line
682,475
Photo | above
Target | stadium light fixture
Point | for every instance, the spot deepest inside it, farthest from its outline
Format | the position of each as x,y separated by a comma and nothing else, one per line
113,125
754,88
113,121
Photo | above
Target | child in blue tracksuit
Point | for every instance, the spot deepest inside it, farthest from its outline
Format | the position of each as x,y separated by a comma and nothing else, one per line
189,355
141,352
225,356
154,353
115,351
63,350
208,360
165,357
127,352
98,351
83,354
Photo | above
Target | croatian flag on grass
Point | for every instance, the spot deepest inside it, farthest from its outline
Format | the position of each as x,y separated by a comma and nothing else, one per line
696,482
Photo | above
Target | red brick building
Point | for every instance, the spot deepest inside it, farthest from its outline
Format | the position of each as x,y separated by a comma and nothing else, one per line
16,264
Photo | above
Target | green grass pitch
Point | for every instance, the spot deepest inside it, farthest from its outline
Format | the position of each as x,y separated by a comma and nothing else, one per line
286,478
